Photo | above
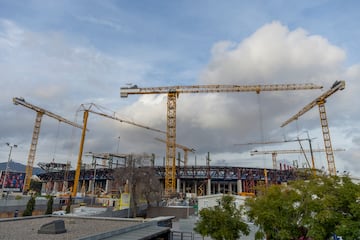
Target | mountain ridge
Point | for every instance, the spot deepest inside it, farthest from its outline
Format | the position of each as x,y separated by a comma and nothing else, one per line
19,167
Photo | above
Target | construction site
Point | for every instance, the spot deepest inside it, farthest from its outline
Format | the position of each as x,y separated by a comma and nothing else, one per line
181,183
175,174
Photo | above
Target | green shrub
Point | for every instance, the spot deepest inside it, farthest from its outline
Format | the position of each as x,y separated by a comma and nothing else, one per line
18,197
29,207
50,203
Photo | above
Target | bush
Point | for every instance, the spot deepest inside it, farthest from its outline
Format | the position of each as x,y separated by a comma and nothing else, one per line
68,205
18,197
29,207
50,203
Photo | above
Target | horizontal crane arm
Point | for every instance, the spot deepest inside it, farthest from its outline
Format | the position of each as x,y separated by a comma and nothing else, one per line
273,142
338,85
177,145
291,151
21,101
126,121
125,91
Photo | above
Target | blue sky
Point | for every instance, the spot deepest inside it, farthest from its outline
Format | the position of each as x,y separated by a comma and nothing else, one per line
60,54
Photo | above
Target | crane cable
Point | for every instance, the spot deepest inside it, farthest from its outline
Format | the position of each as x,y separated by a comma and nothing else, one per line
261,123
56,141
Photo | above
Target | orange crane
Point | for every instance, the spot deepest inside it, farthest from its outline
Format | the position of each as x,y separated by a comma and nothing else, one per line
172,94
184,148
274,153
36,132
320,101
86,110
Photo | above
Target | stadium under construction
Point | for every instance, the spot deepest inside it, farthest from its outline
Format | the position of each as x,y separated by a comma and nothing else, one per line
195,180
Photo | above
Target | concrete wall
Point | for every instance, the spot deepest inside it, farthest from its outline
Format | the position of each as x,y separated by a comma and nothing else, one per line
212,200
177,212
8,206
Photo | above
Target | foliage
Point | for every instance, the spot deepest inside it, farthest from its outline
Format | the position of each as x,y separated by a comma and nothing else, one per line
313,209
142,181
18,197
30,206
35,186
68,205
222,222
50,203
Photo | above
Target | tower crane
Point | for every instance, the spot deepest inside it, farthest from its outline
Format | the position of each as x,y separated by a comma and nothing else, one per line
184,148
274,153
286,141
320,101
273,142
87,109
36,132
172,94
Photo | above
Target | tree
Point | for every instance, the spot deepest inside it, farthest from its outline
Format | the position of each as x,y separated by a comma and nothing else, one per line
50,203
68,205
143,183
222,222
35,186
30,206
308,209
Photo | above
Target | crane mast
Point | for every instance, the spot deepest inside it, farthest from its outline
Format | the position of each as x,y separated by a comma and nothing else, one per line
320,101
87,110
174,91
36,132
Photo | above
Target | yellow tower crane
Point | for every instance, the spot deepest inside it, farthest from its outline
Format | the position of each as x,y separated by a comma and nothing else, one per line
36,132
90,108
320,101
174,91
184,148
274,153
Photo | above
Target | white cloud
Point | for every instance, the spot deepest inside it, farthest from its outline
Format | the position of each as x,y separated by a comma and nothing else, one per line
274,54
104,22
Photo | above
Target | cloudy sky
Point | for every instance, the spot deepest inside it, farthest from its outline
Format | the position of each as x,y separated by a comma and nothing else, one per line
60,54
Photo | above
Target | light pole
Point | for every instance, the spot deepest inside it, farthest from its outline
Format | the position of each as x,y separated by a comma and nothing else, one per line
7,164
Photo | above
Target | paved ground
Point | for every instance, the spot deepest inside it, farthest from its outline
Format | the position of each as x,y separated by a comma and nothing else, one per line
24,228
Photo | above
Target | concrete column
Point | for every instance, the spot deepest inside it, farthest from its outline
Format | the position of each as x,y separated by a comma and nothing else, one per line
43,187
78,189
107,185
65,186
219,187
230,188
91,183
208,189
239,186
178,182
184,186
55,188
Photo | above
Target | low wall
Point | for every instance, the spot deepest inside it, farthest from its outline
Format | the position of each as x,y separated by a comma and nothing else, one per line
9,206
177,212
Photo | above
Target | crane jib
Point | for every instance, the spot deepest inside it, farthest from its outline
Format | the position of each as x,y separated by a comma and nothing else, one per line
125,91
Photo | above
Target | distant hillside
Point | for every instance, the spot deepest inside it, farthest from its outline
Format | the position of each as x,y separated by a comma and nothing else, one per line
19,167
